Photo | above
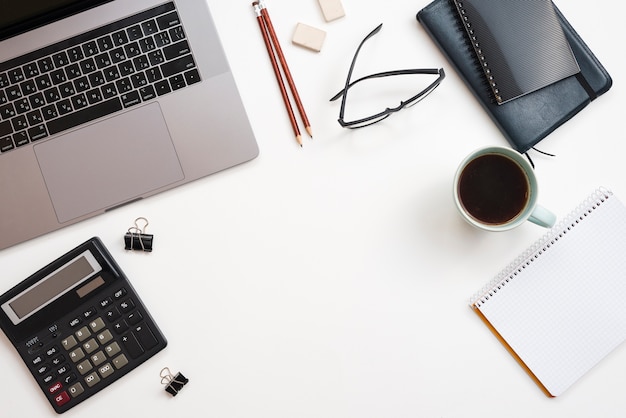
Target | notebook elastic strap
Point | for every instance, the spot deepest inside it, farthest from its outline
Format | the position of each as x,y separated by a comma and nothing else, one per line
583,82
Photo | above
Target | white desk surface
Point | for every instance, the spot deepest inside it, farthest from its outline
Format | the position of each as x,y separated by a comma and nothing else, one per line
333,280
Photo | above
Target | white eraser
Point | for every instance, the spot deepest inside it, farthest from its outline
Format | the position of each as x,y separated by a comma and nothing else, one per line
332,9
309,37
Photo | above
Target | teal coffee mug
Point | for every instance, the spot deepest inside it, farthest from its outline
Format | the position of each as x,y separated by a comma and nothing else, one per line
495,189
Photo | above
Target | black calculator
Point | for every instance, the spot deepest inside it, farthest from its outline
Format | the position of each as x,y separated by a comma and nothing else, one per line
79,325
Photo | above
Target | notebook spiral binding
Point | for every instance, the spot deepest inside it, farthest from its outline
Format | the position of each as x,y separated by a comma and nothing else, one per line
542,245
464,34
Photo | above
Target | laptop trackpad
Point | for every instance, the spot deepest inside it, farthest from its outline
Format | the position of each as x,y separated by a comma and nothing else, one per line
108,163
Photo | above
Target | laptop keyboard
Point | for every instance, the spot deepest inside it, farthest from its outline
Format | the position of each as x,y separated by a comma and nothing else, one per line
92,75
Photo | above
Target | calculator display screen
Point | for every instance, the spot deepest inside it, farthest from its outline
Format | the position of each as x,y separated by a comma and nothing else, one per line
51,287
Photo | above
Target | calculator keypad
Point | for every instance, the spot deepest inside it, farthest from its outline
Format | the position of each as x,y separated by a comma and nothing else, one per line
79,325
100,342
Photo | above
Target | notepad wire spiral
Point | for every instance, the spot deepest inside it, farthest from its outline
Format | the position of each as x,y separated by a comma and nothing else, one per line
474,46
542,245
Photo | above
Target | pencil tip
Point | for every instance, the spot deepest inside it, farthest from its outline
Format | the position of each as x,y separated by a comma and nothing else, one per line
299,139
309,131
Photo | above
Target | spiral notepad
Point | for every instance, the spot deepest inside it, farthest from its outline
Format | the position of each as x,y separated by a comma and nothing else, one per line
559,307
520,45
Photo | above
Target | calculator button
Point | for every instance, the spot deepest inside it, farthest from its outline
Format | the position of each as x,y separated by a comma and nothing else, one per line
112,314
52,351
75,322
120,327
61,399
77,354
96,325
89,313
98,358
132,345
58,360
146,337
92,379
112,349
43,369
82,334
84,367
120,293
76,390
49,378
69,378
106,302
62,370
134,318
120,361
106,370
55,388
90,346
127,305
68,342
105,337
37,360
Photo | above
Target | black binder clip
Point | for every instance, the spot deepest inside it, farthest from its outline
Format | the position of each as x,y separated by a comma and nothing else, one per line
136,237
174,383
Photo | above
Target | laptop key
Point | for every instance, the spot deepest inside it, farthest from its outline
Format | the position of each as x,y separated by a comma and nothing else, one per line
45,65
162,87
37,132
4,80
49,112
149,27
134,32
119,38
5,128
176,50
43,82
169,20
177,66
60,59
130,99
147,93
19,123
64,106
192,76
7,111
85,115
79,101
90,48
105,43
94,96
177,82
20,138
6,144
58,76
16,75
34,118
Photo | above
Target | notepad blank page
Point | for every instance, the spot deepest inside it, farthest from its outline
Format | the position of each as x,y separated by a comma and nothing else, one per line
565,311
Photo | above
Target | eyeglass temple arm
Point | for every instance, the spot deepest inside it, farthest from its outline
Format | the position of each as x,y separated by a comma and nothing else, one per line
369,35
392,73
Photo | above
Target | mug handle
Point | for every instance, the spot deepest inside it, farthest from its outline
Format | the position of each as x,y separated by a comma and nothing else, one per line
542,217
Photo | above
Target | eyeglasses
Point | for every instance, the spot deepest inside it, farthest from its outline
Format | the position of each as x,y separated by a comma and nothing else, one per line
372,119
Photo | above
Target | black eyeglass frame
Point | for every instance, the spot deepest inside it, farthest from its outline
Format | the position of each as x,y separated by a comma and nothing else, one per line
370,120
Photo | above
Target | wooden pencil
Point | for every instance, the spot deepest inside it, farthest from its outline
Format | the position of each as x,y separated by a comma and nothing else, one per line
279,79
283,62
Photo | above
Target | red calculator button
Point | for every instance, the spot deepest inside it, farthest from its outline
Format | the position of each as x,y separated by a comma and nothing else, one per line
55,388
62,398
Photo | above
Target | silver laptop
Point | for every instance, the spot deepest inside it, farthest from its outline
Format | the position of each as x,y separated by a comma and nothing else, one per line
103,103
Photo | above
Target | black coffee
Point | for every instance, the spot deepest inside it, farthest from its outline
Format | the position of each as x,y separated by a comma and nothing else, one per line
493,189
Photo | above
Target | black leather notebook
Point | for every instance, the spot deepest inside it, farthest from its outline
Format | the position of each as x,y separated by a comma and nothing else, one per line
528,119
